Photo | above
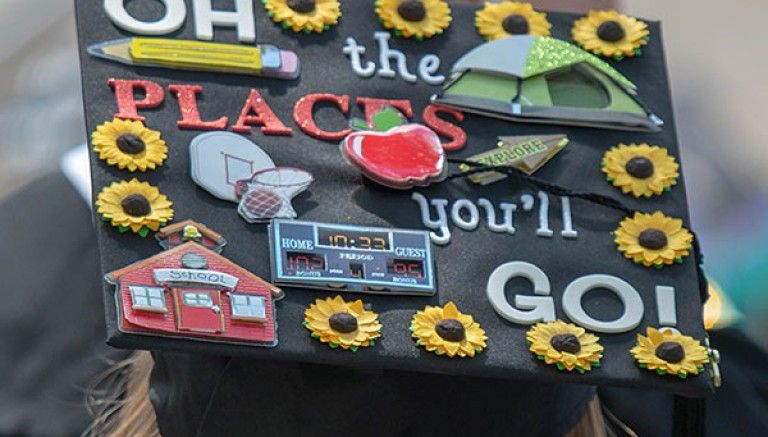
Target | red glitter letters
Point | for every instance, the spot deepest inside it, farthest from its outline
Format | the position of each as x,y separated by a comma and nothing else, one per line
302,115
127,106
443,128
264,117
190,115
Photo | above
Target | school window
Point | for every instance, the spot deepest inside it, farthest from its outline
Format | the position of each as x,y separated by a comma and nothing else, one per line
248,307
148,298
197,299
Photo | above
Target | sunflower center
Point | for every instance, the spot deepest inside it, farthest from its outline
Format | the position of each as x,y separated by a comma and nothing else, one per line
670,351
565,343
412,10
516,24
343,322
653,239
136,205
301,6
450,330
639,167
130,144
610,31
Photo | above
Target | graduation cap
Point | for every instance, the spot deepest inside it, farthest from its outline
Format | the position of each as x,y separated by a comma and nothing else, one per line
544,80
584,272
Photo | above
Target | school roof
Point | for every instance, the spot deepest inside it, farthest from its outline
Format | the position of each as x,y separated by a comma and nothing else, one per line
166,231
114,276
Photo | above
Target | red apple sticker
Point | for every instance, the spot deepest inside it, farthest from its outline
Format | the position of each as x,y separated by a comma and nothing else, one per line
400,157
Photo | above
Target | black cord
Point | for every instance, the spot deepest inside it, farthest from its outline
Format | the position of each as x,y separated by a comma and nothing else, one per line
559,190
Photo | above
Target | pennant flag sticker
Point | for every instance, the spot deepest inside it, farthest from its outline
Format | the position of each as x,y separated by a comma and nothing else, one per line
525,153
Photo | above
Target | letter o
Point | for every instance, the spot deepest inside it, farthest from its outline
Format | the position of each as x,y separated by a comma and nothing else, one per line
630,298
175,13
474,214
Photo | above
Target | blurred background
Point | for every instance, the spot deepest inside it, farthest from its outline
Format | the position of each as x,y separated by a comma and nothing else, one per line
715,58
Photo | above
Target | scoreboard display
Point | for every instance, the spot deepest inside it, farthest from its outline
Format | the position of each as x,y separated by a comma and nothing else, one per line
351,258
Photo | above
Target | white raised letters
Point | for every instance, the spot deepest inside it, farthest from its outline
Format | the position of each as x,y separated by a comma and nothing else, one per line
458,220
490,212
630,298
241,18
427,68
441,224
205,18
665,300
543,230
386,53
175,13
528,310
354,51
539,308
471,218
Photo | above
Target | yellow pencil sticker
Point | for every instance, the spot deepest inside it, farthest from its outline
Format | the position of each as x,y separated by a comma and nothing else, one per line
260,60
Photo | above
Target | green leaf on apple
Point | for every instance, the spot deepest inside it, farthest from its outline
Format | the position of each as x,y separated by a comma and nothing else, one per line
359,124
386,119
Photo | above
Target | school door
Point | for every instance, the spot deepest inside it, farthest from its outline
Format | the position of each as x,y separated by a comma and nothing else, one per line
199,310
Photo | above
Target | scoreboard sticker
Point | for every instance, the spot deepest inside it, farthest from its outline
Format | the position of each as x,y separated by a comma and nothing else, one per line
351,258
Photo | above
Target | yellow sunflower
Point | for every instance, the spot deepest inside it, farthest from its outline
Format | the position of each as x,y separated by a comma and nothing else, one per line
414,18
304,15
668,352
653,239
135,206
640,169
128,144
610,34
446,331
499,20
342,324
565,345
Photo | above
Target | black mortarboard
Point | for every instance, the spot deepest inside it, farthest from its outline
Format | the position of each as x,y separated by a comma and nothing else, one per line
564,216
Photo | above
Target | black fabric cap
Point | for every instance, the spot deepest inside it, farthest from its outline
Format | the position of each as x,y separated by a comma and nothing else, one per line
199,395
340,194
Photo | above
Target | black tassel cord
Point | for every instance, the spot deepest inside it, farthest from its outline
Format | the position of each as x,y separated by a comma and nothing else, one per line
598,199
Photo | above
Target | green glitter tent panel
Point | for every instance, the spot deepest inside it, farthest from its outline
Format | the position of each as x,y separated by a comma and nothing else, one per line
545,80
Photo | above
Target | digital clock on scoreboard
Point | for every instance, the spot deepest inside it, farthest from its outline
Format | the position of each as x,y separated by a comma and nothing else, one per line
351,258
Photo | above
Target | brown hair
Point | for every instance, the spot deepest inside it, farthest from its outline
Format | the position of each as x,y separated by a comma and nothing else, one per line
118,399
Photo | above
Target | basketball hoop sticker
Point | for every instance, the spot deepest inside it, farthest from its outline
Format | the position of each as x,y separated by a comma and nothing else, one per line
268,193
232,167
219,159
